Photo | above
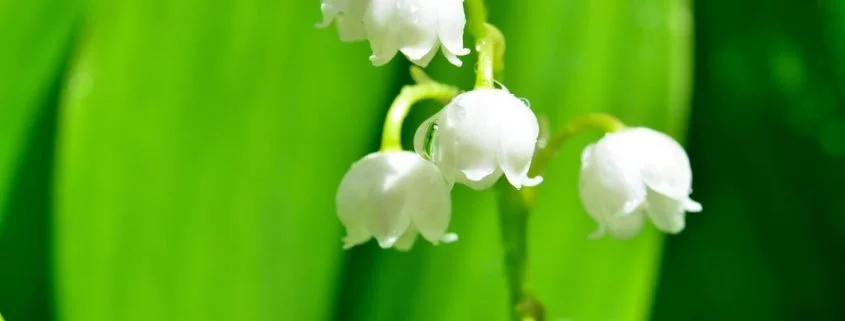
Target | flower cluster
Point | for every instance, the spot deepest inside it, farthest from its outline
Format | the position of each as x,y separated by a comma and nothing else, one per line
482,135
416,28
477,138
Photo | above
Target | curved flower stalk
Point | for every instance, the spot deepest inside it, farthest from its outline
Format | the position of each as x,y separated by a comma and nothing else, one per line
417,28
394,196
480,136
634,173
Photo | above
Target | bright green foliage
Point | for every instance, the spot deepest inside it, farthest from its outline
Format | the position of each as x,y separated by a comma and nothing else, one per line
200,147
197,146
35,41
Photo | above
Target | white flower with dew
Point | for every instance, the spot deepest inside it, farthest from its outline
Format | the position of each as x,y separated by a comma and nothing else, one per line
634,173
416,28
393,196
480,136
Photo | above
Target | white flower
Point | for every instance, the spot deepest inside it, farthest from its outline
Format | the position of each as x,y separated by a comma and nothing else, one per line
481,135
417,28
393,196
633,173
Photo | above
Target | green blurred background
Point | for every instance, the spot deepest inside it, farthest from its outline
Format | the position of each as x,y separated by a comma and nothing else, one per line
177,160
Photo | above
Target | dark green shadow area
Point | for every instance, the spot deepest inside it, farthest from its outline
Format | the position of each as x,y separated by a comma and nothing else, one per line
26,277
767,145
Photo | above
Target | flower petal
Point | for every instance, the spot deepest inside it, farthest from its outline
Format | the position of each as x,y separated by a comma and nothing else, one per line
666,213
599,232
430,205
664,163
350,26
330,9
426,59
626,227
692,206
380,21
450,29
465,146
355,234
432,213
452,58
418,28
478,180
406,241
518,141
607,187
353,201
449,238
372,195
515,167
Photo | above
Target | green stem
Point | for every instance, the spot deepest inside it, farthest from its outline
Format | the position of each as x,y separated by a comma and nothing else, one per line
514,209
489,44
391,139
514,206
547,151
513,221
419,76
499,46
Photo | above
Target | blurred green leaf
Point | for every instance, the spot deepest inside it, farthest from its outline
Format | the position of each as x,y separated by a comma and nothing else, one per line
769,243
35,37
200,147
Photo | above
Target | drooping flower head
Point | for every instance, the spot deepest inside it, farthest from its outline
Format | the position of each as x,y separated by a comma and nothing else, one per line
634,173
417,28
481,135
393,196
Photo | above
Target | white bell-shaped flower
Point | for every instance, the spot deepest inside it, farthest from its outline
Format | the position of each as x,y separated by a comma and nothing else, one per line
634,173
393,196
479,136
417,28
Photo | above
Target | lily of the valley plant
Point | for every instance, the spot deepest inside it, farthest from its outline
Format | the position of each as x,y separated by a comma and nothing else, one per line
484,135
